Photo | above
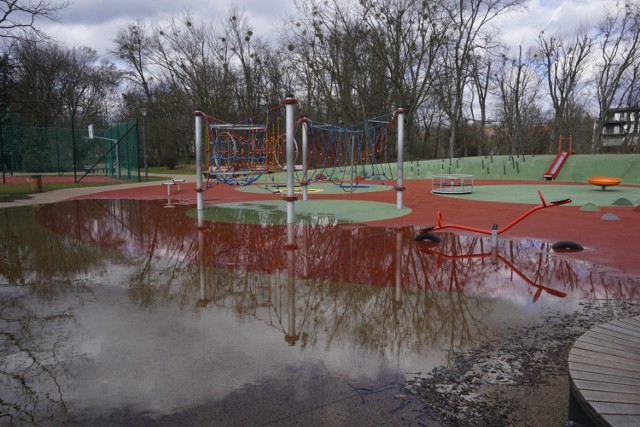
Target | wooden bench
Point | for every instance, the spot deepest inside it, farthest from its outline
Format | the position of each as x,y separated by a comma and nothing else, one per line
604,375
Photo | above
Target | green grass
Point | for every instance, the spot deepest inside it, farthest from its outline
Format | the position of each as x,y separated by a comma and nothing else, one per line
178,170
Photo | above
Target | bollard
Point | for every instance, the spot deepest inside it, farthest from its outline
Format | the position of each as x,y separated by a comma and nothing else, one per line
36,183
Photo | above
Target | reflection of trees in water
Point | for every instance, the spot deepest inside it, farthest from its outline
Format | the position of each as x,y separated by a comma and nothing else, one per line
371,286
33,353
432,295
47,263
33,364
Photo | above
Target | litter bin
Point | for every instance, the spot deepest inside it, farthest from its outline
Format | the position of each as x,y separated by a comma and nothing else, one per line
36,183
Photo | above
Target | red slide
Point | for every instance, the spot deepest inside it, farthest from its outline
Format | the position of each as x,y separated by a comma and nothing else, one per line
556,165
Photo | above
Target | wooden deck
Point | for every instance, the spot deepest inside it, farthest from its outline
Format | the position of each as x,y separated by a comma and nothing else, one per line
604,373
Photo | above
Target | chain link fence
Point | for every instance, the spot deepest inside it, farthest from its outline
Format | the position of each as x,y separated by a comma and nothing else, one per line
111,151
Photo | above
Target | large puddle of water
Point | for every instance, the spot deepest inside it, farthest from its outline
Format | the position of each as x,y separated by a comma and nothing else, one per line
112,307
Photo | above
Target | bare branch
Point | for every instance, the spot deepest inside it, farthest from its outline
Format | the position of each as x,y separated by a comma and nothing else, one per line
19,18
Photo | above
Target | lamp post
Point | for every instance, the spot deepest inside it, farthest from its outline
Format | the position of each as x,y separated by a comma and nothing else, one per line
144,142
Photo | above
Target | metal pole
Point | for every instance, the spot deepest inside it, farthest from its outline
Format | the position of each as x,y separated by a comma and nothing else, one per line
305,166
199,117
400,181
144,142
73,147
290,103
4,178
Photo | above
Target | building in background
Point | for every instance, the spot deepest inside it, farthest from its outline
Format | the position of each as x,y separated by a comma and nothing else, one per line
621,131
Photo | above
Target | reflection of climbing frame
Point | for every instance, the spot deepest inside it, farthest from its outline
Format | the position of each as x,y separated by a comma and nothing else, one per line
561,157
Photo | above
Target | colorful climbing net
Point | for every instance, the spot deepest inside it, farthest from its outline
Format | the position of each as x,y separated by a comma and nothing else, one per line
346,156
242,153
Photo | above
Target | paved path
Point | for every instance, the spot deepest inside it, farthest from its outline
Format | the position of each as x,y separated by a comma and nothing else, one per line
70,193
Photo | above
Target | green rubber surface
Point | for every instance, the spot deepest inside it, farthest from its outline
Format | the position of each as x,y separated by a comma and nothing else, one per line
579,194
316,187
325,212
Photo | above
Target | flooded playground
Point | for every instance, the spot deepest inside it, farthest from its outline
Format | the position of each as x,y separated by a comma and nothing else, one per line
139,312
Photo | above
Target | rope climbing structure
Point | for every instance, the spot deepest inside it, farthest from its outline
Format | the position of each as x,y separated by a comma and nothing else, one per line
270,144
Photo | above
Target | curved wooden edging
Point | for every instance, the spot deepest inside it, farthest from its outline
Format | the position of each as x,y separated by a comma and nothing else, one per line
604,373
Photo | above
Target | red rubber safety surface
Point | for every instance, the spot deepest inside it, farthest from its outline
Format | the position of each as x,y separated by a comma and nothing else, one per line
615,244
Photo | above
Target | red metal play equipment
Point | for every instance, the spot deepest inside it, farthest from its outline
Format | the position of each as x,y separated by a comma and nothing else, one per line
424,233
560,158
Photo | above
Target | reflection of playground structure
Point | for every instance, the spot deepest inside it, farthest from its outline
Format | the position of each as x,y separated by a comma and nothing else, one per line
373,286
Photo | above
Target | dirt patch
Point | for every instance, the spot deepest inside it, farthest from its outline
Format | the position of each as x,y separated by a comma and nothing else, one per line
517,379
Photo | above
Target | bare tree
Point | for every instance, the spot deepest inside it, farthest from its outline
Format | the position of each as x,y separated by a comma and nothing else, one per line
415,31
327,50
19,18
358,60
184,53
563,60
467,25
247,54
482,68
85,84
619,50
133,49
37,71
53,83
518,88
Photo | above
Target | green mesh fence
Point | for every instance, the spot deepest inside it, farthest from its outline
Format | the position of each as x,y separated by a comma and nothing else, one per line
53,150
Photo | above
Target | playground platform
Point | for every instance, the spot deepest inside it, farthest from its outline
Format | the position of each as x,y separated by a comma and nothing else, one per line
604,366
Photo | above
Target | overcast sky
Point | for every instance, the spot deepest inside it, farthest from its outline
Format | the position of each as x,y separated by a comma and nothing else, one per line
94,23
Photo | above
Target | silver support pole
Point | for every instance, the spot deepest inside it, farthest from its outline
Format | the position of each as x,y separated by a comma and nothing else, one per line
290,103
400,174
199,143
305,166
